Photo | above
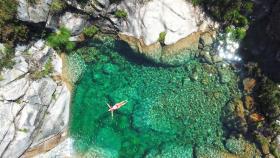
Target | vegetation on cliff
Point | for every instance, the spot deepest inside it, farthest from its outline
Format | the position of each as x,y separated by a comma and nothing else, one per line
12,30
60,40
231,13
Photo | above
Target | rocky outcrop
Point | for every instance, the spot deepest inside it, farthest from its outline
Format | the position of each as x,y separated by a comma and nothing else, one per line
174,54
183,25
74,22
31,111
92,7
37,12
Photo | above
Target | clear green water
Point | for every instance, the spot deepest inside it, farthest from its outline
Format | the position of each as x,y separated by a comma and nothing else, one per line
170,112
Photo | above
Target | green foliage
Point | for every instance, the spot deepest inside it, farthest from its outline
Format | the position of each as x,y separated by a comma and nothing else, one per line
24,130
6,61
90,31
8,10
161,37
60,40
121,14
48,69
196,2
269,99
236,33
230,12
11,30
57,6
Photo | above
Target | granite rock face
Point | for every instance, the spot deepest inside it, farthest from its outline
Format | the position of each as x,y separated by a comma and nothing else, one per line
37,12
183,25
93,7
31,111
177,18
74,22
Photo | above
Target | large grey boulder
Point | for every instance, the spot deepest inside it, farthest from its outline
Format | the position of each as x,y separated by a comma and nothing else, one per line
40,92
31,111
74,22
18,70
37,12
146,20
8,112
14,90
57,117
180,24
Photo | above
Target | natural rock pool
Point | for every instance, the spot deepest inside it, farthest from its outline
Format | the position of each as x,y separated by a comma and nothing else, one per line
170,110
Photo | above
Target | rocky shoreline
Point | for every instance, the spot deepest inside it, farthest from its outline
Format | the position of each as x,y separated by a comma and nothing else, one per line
35,94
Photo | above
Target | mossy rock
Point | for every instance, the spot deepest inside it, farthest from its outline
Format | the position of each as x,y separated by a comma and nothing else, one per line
242,148
211,152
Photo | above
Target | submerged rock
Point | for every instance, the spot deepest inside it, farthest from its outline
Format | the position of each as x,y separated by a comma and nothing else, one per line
242,148
172,151
210,152
234,117
249,84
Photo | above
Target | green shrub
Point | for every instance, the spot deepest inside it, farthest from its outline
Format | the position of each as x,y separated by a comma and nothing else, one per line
48,69
90,31
57,6
11,30
6,61
60,40
8,9
236,33
121,14
229,12
269,99
161,37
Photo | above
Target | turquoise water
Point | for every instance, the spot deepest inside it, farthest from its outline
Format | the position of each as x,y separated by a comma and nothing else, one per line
171,111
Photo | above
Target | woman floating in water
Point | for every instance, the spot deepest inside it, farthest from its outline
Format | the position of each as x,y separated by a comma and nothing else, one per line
116,106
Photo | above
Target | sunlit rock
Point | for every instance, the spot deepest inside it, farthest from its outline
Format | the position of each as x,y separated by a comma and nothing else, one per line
183,25
37,12
14,90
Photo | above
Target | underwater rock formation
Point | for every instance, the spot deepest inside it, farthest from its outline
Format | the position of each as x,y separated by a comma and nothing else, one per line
172,151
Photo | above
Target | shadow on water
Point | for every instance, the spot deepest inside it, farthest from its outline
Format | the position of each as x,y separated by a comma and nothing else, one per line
125,51
259,46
